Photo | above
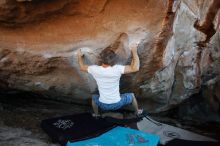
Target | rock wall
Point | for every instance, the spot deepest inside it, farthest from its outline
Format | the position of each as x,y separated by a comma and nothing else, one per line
39,39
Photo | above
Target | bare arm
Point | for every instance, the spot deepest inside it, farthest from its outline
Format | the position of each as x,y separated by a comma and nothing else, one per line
135,62
83,67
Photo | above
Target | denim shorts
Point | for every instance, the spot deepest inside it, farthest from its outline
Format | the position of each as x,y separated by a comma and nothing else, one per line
126,98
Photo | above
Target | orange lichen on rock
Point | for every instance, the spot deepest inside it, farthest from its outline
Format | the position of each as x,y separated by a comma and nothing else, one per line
207,27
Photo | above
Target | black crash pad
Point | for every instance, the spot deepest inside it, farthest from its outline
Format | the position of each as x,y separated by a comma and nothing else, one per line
75,127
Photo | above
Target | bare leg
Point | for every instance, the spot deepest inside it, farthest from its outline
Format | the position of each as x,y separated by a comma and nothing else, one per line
134,104
95,108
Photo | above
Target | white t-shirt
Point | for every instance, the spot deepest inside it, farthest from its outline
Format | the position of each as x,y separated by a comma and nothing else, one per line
107,80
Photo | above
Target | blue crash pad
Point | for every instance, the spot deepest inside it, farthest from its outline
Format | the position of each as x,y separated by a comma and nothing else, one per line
120,136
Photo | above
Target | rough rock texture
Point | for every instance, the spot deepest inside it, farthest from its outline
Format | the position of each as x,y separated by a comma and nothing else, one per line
20,137
21,116
39,40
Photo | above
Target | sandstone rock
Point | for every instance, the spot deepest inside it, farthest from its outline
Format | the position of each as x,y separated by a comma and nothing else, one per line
16,136
39,40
